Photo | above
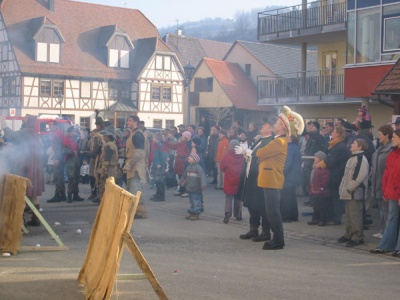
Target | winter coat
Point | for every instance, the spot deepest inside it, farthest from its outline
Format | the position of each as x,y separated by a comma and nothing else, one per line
354,184
378,165
249,192
194,179
336,160
232,165
272,163
315,143
391,176
181,154
223,147
371,147
292,169
319,183
212,147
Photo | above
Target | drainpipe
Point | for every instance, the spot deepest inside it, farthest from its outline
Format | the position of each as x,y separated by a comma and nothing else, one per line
51,5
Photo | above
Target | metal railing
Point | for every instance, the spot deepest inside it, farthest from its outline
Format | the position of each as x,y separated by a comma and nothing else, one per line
309,83
300,17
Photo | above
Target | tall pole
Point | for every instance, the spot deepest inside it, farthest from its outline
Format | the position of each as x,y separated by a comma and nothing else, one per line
60,101
188,105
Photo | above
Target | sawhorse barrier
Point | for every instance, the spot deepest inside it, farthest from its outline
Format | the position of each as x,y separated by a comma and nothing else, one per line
12,205
110,235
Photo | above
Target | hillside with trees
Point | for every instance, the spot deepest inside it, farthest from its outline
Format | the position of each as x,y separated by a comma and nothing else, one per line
243,26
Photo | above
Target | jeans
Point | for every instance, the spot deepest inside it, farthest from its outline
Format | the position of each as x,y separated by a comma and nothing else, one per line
220,176
273,211
383,213
390,240
196,203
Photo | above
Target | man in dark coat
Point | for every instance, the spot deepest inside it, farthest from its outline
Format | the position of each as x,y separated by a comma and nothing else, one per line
252,195
27,161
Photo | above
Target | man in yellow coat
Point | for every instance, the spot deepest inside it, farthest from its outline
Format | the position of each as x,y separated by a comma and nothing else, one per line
272,159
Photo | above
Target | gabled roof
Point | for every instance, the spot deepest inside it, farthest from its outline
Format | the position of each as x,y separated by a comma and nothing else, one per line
390,84
279,59
193,50
237,86
81,25
145,49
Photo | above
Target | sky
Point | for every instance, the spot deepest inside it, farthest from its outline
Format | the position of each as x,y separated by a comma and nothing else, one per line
163,13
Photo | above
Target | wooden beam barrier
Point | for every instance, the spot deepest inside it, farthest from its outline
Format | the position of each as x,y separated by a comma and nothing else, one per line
110,235
12,207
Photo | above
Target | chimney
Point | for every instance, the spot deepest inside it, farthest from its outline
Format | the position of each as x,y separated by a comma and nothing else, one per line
51,5
179,32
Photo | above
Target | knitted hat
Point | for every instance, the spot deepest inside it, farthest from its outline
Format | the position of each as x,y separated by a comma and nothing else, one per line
197,141
293,122
363,109
321,155
195,157
233,144
187,134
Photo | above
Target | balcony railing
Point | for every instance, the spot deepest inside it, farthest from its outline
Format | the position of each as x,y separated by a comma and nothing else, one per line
302,84
297,17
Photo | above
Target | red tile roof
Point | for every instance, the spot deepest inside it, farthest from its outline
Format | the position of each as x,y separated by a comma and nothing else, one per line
80,24
237,86
390,84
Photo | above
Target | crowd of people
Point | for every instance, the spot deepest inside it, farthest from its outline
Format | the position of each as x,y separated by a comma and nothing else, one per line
341,169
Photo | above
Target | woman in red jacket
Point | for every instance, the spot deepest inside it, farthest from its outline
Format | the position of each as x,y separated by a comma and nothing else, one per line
231,165
391,192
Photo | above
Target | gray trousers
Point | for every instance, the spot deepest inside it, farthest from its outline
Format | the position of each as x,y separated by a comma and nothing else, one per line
354,220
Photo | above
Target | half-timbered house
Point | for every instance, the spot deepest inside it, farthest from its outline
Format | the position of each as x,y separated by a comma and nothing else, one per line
70,58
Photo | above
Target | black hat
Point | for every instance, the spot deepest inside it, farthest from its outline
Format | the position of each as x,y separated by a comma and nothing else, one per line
197,141
99,121
366,124
347,126
397,121
181,125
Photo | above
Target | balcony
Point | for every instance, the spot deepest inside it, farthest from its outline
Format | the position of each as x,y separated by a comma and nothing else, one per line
311,87
303,23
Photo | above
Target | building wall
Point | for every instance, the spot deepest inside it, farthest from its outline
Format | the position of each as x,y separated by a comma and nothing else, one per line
362,80
340,48
8,70
155,111
216,98
242,57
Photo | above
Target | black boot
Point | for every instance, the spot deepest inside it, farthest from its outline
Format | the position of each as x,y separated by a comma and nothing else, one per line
249,235
77,198
69,197
56,198
228,215
34,220
63,197
264,236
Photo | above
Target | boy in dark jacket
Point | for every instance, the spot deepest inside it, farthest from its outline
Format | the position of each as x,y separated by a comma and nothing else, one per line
319,192
194,178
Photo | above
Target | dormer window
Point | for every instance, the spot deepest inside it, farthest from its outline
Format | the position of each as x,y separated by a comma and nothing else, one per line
119,48
48,44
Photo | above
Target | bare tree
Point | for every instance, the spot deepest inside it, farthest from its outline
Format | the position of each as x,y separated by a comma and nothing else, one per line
218,114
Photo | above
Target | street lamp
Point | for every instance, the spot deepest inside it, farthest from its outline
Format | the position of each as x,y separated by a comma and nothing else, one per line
60,100
189,72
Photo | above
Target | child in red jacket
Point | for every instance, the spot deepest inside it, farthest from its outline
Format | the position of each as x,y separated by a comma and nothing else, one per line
318,191
231,165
